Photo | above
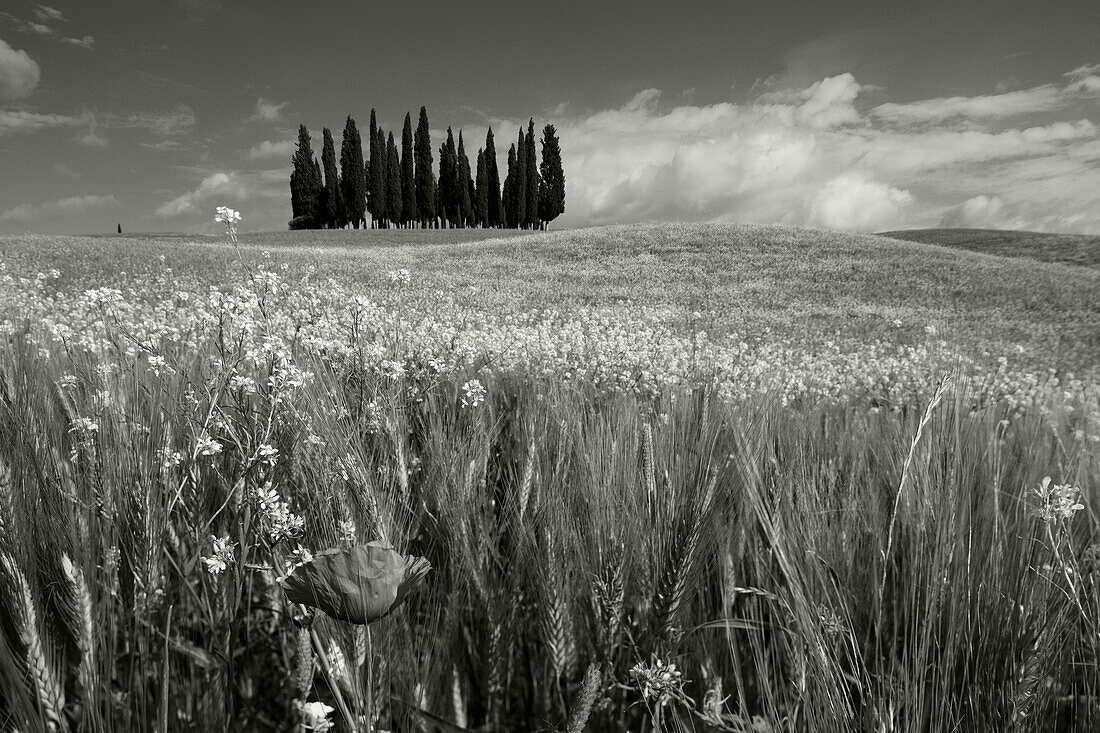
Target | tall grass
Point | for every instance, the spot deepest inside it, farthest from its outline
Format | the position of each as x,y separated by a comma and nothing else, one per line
807,568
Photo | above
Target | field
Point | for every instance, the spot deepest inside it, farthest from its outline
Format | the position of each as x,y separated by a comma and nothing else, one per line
806,468
1066,249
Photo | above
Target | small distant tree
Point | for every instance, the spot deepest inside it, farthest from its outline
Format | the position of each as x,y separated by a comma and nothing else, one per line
481,187
495,217
425,177
393,181
465,201
552,179
509,197
408,175
352,178
332,202
520,183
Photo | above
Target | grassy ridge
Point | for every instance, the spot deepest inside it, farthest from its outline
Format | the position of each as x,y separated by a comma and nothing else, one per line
1067,249
808,285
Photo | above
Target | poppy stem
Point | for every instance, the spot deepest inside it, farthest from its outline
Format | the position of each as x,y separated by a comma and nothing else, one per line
370,682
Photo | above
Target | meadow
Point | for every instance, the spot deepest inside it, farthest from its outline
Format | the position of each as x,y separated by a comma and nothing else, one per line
668,477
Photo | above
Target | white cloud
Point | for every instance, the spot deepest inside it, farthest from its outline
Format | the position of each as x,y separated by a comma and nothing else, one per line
982,212
282,149
62,208
820,156
851,202
989,106
87,42
268,111
46,14
221,185
19,73
15,121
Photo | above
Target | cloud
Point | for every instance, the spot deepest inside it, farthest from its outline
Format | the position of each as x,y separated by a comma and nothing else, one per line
46,14
93,138
268,149
982,212
1085,79
268,111
16,121
66,207
221,185
166,124
819,155
1008,104
87,42
849,201
19,73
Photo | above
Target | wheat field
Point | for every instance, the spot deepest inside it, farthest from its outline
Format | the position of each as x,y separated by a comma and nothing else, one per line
727,499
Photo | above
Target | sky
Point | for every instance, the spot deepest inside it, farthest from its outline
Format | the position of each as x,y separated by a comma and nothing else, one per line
858,115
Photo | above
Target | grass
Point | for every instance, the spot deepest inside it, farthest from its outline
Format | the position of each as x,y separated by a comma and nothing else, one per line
1082,250
822,564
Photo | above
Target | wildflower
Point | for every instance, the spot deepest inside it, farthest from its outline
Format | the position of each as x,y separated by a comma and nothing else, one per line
222,557
276,519
1057,502
207,446
242,383
299,556
169,458
315,716
662,682
348,531
160,366
399,277
268,454
475,393
68,381
84,426
359,585
337,663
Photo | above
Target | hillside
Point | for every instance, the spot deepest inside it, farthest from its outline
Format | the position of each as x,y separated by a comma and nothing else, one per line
809,285
1067,249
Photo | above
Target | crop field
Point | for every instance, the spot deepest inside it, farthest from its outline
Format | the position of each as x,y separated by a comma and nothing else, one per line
667,477
1068,249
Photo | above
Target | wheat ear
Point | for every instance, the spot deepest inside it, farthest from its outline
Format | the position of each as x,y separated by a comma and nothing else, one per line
582,706
51,696
82,611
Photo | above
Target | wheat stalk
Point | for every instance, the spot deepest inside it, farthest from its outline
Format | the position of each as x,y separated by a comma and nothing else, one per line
51,696
527,480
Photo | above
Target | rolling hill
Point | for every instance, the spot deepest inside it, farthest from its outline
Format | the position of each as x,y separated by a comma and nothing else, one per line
1066,249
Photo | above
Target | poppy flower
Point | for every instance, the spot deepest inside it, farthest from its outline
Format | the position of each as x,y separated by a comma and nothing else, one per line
359,584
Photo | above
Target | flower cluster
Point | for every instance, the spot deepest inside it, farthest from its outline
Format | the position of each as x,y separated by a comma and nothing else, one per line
229,217
474,393
315,716
661,684
222,557
276,519
1058,502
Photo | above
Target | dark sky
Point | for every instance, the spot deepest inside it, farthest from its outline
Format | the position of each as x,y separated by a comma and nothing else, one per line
856,114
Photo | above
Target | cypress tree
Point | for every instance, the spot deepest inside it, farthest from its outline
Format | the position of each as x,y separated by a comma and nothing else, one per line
383,213
532,181
552,180
425,178
481,186
332,210
393,182
352,179
303,187
520,183
316,186
508,203
376,174
448,181
495,216
408,175
465,200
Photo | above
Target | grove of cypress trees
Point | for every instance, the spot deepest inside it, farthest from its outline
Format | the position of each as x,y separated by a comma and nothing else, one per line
508,202
552,180
520,182
495,216
352,178
425,177
481,186
393,182
531,217
408,175
465,202
332,209
376,174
